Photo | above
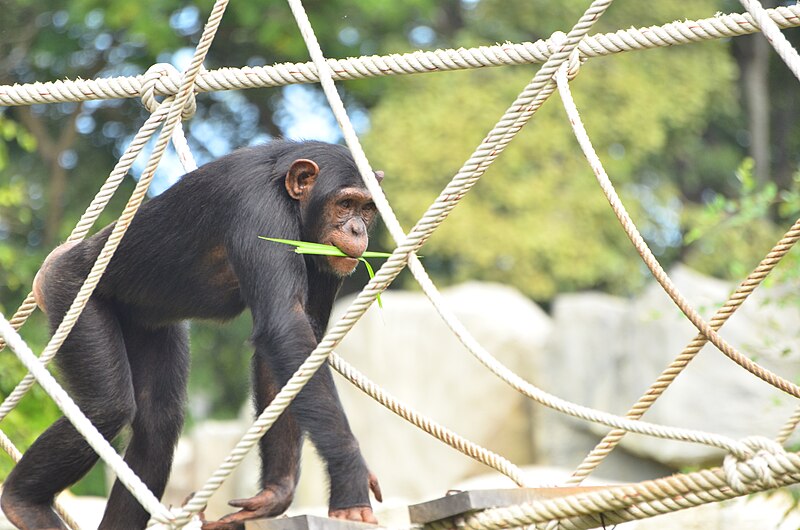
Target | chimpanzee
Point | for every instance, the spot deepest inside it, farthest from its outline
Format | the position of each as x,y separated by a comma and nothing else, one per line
193,252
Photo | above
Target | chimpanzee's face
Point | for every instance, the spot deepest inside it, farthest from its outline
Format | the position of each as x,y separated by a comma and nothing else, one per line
335,210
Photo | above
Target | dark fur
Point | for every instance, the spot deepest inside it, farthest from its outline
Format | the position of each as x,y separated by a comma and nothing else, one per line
193,252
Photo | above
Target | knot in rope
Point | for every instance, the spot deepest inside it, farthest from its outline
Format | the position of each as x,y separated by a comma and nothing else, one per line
167,75
759,467
178,520
555,43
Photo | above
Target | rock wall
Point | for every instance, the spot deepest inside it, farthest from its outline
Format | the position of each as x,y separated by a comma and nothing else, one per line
606,351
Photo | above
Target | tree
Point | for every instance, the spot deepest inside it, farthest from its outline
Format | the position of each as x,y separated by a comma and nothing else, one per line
537,219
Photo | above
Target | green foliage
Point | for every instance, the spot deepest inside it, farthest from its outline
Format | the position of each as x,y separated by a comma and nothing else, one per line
739,228
10,131
218,382
537,219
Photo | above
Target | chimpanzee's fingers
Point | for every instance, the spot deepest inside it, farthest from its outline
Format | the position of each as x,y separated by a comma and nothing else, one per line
375,487
226,523
252,503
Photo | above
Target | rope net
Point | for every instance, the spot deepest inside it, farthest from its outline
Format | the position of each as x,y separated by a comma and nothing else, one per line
751,465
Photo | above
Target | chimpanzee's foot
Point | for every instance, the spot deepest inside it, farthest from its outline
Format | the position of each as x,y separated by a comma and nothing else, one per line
270,502
29,516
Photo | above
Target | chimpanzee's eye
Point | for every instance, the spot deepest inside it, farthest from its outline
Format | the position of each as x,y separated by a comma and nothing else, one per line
347,204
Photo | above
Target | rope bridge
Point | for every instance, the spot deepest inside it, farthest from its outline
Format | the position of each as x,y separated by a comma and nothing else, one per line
751,465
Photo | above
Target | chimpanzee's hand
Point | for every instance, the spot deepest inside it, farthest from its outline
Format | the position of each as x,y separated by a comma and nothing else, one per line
269,502
361,513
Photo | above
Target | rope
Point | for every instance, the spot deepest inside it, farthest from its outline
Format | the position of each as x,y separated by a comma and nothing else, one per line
675,33
752,464
177,106
773,35
610,441
88,219
439,432
108,189
312,364
789,427
647,255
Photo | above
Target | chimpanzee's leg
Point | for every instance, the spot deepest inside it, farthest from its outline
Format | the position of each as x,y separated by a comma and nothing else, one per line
95,371
159,360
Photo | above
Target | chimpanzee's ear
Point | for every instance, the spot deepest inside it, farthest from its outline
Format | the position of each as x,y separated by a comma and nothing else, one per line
300,178
379,176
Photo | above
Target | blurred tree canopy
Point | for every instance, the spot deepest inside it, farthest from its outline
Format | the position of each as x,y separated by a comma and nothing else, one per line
673,126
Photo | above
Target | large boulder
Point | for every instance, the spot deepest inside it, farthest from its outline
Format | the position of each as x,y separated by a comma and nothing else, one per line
606,351
406,348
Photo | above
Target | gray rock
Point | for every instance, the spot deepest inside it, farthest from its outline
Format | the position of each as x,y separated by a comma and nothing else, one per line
607,351
409,350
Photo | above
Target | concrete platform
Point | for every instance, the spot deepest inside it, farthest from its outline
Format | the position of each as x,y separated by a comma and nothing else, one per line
468,501
456,503
306,522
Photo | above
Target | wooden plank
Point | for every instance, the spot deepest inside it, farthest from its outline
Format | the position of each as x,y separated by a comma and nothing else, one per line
468,501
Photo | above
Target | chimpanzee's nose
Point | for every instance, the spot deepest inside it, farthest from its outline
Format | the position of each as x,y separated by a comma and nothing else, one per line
358,229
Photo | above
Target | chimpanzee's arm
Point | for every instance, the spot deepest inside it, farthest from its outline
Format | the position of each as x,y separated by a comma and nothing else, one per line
273,283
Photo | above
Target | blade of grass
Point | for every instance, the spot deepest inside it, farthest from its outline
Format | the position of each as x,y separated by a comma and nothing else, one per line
320,249
306,247
372,275
301,244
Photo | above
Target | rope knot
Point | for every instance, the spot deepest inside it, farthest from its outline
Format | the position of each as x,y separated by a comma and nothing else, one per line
757,466
170,77
555,44
175,519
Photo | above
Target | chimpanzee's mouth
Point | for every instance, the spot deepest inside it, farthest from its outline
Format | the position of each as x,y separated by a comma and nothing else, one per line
342,264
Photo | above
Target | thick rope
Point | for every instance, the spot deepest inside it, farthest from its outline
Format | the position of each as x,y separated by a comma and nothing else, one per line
675,33
769,481
405,411
773,35
478,170
99,202
394,227
638,501
243,447
390,220
647,255
789,427
610,441
79,232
